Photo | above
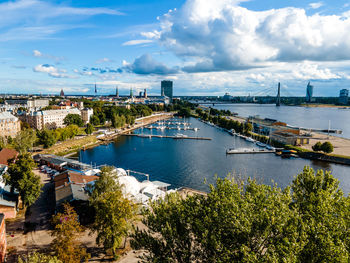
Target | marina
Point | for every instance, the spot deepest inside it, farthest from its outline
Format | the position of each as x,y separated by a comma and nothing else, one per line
188,163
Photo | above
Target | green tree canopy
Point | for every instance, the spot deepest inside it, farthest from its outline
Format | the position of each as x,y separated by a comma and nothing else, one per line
21,177
73,119
24,140
317,147
47,138
89,128
327,147
67,230
250,222
114,212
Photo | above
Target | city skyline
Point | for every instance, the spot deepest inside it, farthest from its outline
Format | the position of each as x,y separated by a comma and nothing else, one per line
204,47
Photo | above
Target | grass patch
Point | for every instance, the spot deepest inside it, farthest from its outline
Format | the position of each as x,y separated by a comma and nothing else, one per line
296,148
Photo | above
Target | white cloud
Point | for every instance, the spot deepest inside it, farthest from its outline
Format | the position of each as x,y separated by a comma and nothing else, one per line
103,60
220,35
137,42
316,5
146,65
52,71
37,53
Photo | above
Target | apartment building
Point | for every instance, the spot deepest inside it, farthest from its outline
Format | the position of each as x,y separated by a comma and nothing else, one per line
50,119
9,124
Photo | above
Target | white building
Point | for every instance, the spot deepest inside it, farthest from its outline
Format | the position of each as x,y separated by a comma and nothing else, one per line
50,119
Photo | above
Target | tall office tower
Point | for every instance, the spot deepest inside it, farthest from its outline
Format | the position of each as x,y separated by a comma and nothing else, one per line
145,93
344,96
62,93
309,92
167,88
131,93
117,92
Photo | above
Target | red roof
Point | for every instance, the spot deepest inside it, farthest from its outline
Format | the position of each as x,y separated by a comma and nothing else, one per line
74,178
6,154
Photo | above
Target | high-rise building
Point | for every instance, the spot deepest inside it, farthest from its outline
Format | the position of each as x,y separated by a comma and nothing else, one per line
278,100
145,93
167,88
131,93
62,93
117,92
344,96
309,92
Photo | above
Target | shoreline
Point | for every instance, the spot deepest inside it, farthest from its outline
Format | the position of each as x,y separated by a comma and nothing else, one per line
109,138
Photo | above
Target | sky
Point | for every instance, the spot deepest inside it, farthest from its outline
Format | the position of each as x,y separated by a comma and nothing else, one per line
207,47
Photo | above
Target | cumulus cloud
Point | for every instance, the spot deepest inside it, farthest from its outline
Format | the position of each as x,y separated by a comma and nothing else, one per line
52,71
146,65
221,35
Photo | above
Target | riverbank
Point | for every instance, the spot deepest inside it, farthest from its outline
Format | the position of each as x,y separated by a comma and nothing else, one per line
72,146
323,106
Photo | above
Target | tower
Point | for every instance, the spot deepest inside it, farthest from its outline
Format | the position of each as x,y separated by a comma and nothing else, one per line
131,93
145,93
95,89
167,88
62,93
278,100
309,92
117,92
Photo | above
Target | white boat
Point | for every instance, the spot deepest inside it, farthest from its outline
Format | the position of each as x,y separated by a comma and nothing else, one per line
195,129
180,135
249,139
269,147
260,144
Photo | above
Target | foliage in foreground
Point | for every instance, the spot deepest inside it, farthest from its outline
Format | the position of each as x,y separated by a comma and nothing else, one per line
66,232
114,212
21,177
237,222
38,258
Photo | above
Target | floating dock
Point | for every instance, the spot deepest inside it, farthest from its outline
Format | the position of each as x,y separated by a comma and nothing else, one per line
248,151
166,136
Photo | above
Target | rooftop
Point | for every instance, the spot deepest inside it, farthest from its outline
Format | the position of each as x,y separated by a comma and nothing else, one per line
7,116
6,154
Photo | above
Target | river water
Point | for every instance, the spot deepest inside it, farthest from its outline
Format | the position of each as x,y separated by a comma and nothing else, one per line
306,117
192,162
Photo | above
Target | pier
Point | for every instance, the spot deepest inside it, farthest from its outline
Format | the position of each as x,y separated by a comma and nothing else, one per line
166,136
171,128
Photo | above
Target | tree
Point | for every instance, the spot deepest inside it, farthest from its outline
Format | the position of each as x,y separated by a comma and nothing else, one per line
73,119
24,140
317,147
47,138
94,120
114,212
250,222
327,147
89,128
325,217
66,232
38,258
21,177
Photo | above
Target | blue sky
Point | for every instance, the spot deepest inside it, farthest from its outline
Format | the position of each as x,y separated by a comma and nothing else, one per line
207,47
